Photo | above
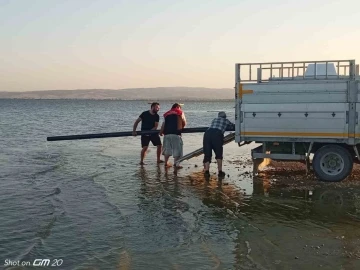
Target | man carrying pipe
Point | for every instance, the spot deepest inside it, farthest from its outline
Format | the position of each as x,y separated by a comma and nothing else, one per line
213,140
149,121
174,122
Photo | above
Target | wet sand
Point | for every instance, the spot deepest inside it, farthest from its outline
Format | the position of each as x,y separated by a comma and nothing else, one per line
284,218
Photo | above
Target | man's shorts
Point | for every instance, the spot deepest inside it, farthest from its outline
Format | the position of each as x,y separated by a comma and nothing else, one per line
173,145
213,140
154,139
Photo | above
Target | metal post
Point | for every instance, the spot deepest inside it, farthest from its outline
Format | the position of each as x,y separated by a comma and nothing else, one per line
259,71
304,70
353,99
352,69
237,80
237,103
326,70
249,72
293,148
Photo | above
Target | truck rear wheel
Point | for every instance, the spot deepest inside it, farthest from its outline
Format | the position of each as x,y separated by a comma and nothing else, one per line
332,163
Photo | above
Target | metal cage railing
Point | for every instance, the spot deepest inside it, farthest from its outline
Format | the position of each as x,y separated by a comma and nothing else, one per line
305,70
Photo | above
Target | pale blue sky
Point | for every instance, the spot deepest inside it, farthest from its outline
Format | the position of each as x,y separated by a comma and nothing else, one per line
81,44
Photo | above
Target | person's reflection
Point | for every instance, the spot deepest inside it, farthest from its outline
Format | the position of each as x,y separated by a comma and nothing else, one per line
143,173
166,173
212,193
149,181
161,186
161,207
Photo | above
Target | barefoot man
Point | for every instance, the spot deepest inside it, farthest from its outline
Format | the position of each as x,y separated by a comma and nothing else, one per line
213,140
171,128
149,121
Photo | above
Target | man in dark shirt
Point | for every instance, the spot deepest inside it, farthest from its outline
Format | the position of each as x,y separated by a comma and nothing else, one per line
149,121
214,140
174,122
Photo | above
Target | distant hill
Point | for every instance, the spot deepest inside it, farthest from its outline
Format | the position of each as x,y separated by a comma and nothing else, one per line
159,93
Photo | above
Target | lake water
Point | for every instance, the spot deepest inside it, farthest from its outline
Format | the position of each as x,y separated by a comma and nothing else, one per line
87,204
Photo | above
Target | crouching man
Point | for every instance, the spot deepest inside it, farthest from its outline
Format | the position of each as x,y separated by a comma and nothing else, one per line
213,140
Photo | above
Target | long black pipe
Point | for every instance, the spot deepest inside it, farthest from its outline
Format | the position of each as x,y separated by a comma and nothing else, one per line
121,134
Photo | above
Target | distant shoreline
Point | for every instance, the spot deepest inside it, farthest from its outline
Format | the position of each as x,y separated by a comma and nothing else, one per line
109,99
149,94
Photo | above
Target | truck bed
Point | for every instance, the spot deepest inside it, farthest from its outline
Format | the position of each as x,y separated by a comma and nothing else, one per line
307,108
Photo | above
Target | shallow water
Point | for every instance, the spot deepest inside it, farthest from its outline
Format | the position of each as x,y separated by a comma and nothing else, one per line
89,204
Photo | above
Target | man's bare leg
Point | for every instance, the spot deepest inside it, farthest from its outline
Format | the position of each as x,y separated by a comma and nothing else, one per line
206,170
142,155
206,166
221,173
175,160
158,154
219,164
167,161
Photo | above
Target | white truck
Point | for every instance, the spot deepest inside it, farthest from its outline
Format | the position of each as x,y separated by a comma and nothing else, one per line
295,109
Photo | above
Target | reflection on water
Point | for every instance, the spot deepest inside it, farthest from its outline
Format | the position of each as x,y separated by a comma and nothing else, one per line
274,228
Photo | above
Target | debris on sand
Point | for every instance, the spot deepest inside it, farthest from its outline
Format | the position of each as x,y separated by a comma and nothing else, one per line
248,247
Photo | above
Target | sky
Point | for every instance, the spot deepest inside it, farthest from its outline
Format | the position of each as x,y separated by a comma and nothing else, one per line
116,44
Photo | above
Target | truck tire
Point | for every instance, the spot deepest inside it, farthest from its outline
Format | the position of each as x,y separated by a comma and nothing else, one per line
332,163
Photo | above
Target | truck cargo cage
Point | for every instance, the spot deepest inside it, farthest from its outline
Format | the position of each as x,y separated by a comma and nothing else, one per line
306,70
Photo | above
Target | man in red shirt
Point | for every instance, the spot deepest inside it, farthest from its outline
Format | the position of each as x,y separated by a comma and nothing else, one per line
174,122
